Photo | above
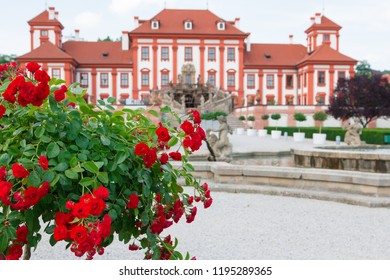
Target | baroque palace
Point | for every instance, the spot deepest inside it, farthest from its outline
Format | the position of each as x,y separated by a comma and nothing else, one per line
194,47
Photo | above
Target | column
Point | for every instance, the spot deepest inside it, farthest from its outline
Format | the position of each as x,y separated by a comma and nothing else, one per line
114,83
94,93
241,72
280,87
331,82
310,87
201,49
155,66
68,77
261,90
135,71
221,66
174,62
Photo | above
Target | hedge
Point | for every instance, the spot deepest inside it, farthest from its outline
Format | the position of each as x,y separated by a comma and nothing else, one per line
369,135
212,116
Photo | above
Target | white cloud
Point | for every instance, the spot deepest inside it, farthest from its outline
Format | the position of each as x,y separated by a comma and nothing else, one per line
87,20
124,6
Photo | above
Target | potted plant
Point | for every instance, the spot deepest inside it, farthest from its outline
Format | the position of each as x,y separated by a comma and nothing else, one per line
263,132
251,131
299,136
275,134
240,130
319,138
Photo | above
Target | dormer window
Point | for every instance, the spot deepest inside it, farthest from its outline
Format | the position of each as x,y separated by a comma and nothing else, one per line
155,24
221,25
188,25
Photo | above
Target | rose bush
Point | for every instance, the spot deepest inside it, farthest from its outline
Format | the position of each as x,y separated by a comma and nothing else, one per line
84,174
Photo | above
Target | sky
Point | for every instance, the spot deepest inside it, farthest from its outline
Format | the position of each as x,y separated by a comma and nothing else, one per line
365,33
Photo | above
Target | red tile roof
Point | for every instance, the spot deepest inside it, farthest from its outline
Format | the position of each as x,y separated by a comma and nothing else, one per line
325,24
46,51
43,19
274,55
100,53
172,22
326,54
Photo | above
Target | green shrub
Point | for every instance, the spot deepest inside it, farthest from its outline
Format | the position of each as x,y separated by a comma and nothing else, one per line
299,117
241,118
320,116
212,116
265,117
251,118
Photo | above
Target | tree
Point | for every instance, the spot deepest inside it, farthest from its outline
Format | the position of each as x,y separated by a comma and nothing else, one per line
363,68
364,97
5,58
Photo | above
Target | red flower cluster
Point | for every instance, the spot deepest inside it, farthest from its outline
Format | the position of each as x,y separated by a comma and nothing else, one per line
23,199
9,70
16,249
43,162
33,67
19,171
207,200
2,110
133,201
149,154
194,134
80,226
59,94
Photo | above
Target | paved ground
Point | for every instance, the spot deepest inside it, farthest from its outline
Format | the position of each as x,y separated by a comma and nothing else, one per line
255,226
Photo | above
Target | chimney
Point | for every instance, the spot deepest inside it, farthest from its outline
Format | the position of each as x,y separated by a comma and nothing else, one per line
51,13
77,35
291,37
248,43
125,41
313,20
318,18
237,22
56,15
136,22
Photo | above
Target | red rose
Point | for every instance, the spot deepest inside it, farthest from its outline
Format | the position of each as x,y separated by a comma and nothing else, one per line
42,91
164,158
196,142
72,104
208,202
79,234
163,134
201,132
141,149
5,189
97,206
133,201
60,232
196,117
133,247
31,196
42,76
81,210
33,66
2,110
175,155
15,252
187,127
19,171
44,189
43,162
26,94
62,218
101,192
187,142
150,157
59,95
21,234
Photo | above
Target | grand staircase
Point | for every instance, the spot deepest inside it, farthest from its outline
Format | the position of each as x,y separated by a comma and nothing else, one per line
234,122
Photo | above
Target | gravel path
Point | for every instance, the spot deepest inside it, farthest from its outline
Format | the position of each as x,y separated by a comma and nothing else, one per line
253,226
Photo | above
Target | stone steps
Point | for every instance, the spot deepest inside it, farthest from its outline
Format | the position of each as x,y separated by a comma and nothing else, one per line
234,122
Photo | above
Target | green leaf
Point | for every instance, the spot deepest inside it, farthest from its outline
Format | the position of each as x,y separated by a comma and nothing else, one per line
173,141
34,179
18,131
113,214
121,157
62,166
48,176
90,166
86,181
4,240
154,113
71,174
39,132
111,100
53,150
77,169
165,109
105,140
52,241
101,102
103,177
50,229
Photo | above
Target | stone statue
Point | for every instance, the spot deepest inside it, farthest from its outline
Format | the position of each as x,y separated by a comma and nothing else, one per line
221,146
354,129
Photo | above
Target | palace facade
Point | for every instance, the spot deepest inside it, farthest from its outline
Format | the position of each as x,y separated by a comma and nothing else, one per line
194,46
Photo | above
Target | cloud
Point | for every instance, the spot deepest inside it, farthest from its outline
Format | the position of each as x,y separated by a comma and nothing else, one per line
87,20
125,6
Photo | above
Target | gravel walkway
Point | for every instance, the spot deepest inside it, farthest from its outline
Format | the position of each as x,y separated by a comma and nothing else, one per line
254,226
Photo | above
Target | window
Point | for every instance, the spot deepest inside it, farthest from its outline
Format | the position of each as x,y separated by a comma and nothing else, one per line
188,25
145,53
211,79
104,80
188,79
188,54
164,53
145,79
221,26
320,98
155,24
56,73
321,78
341,74
44,33
270,100
83,79
124,80
326,37
164,79
231,80
231,55
289,81
251,81
270,81
211,54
